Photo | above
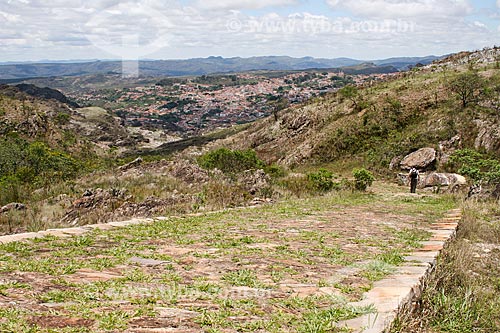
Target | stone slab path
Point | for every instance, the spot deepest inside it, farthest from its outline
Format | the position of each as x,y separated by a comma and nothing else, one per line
394,293
399,291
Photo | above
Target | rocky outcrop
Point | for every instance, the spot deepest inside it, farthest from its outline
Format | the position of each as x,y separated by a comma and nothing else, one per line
488,136
100,205
189,172
422,159
93,200
152,206
135,163
446,148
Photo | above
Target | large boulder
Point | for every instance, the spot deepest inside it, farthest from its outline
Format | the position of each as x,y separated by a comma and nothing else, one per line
421,159
444,179
12,206
451,180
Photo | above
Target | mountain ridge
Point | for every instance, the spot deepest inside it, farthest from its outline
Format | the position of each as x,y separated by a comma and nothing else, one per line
196,66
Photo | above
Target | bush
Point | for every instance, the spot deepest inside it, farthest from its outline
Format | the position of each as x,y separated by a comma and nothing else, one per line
34,162
219,194
322,181
231,161
275,171
362,179
313,183
475,165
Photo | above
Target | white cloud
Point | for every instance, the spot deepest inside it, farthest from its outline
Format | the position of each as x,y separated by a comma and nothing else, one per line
241,4
480,25
9,18
77,29
498,3
404,8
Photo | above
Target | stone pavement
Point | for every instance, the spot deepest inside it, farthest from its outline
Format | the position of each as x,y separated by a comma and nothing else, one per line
398,292
391,295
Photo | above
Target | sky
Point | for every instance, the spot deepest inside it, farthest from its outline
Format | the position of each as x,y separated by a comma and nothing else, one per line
35,30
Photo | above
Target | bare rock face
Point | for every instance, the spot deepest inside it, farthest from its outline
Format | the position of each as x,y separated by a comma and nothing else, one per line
421,159
189,172
488,136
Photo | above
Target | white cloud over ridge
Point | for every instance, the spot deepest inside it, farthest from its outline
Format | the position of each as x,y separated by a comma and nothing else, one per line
241,4
79,29
404,8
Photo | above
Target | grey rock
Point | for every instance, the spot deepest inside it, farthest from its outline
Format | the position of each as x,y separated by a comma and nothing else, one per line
12,206
446,148
444,179
421,159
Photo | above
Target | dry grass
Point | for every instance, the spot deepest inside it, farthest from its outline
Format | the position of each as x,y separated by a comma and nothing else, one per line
463,293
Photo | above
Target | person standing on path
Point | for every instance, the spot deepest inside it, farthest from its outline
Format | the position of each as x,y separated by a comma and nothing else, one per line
414,176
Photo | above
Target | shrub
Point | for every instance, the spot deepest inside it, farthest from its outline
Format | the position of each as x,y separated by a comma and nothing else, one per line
275,171
362,179
34,162
313,183
231,161
322,181
475,165
219,194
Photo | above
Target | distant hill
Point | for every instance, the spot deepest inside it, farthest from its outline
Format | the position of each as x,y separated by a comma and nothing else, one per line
200,66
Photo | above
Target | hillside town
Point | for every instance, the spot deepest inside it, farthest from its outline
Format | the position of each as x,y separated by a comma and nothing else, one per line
192,106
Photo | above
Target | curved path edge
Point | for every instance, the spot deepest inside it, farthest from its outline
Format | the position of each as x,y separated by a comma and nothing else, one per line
391,296
397,293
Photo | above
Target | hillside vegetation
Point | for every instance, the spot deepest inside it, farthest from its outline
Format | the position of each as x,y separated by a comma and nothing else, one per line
377,123
45,140
321,231
62,162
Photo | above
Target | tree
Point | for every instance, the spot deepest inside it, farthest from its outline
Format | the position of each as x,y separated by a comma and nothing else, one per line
351,93
468,87
277,105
